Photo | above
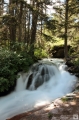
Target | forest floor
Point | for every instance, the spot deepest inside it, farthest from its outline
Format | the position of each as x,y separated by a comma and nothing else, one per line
59,109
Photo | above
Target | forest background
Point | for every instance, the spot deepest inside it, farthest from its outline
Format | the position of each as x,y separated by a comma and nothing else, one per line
29,30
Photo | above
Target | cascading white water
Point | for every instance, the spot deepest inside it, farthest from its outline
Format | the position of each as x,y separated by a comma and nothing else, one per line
44,82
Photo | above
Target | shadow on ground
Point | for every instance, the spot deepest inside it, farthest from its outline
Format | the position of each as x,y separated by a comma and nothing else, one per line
57,110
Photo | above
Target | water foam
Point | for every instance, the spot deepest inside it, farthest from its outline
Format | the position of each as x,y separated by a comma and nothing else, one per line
22,100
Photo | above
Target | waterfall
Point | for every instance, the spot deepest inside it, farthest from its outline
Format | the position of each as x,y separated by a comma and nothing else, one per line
45,81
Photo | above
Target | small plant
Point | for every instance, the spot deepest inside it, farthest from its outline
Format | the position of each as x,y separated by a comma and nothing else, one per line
50,115
64,99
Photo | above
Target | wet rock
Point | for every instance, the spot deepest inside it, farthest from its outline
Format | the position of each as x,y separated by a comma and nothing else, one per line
35,67
69,63
77,86
77,75
71,69
74,69
29,81
43,71
39,81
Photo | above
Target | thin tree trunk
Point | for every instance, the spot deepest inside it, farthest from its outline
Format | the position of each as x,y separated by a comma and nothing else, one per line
12,27
28,35
66,31
20,22
34,25
25,33
34,28
1,7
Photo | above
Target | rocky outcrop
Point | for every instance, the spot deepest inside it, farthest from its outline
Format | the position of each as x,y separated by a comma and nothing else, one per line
39,74
73,69
58,51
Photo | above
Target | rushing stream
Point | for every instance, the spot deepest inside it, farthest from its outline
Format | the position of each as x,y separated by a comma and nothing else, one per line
46,81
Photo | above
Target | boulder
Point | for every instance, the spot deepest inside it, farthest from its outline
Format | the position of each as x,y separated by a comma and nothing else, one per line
58,51
29,81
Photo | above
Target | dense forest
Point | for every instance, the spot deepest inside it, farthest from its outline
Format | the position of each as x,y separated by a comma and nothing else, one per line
29,31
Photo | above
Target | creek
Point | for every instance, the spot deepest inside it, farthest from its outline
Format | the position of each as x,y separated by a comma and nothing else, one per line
44,82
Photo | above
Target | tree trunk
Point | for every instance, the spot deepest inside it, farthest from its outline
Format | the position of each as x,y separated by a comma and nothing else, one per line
28,33
1,7
12,30
34,28
20,21
12,26
66,30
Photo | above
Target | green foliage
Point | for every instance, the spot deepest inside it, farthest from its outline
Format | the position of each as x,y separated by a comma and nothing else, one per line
50,115
76,62
64,99
48,37
40,53
10,64
4,84
51,24
9,20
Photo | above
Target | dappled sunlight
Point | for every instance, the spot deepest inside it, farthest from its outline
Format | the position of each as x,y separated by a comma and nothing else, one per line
54,111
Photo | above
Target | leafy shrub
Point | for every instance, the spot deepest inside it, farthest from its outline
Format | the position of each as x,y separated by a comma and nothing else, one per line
40,53
76,62
4,84
10,64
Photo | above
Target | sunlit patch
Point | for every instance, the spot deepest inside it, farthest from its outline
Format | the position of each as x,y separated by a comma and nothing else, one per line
41,103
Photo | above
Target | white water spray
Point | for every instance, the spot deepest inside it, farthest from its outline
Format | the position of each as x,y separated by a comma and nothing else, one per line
45,82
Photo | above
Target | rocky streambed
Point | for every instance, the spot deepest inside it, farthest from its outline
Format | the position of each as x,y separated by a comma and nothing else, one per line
65,108
73,69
